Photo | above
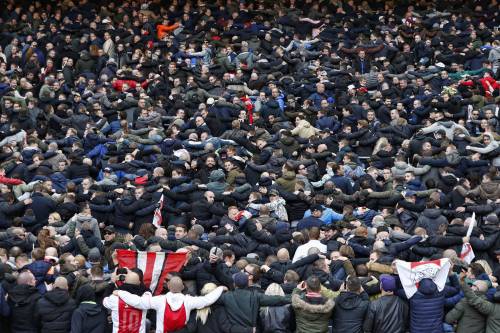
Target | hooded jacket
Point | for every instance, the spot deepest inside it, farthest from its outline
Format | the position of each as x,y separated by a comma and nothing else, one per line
22,301
427,308
431,219
350,311
312,314
53,312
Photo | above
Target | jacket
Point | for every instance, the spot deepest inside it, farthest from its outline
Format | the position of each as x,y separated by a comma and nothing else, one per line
54,310
42,207
431,219
312,314
276,319
491,310
400,168
242,305
350,311
304,130
427,308
22,300
89,317
388,314
469,320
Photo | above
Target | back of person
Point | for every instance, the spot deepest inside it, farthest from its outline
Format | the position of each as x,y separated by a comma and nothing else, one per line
427,308
89,317
469,319
350,311
389,314
22,300
54,311
276,319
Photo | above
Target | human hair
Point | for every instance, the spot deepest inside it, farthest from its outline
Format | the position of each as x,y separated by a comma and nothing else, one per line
273,289
291,276
314,233
37,253
353,284
313,283
202,314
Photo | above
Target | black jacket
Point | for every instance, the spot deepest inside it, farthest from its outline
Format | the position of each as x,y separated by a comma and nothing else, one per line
217,322
349,312
88,318
388,314
54,310
22,300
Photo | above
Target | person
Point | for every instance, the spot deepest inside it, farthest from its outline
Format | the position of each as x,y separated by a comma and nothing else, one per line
486,308
427,308
314,242
54,310
88,317
389,313
22,300
312,310
172,309
243,303
127,318
351,307
469,319
276,318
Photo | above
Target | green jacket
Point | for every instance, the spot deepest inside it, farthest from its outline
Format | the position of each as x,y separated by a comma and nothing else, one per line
242,305
311,318
469,320
491,310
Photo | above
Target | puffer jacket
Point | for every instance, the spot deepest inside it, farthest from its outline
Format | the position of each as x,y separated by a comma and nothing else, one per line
400,168
487,191
312,314
350,311
388,314
22,300
287,181
53,312
304,129
427,308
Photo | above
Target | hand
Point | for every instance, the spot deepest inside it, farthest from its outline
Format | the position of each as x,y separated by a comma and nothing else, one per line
77,233
28,201
265,268
465,239
462,276
131,225
115,292
118,190
225,288
302,285
213,259
460,209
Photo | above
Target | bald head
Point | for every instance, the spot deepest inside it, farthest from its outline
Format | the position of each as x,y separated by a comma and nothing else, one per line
175,285
51,252
61,283
132,278
26,278
482,286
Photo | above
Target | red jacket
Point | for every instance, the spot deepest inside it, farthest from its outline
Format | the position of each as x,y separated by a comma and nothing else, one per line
10,181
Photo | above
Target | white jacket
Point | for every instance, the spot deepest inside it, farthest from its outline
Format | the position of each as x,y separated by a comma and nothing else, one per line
158,303
125,318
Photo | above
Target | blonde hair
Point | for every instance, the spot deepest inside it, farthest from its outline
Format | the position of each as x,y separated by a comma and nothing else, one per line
274,289
486,266
380,143
202,314
56,216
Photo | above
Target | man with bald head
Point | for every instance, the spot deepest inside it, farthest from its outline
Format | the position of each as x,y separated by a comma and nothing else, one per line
127,318
54,310
22,300
172,309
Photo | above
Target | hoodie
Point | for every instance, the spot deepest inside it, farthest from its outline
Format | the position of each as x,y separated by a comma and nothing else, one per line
54,311
22,300
349,312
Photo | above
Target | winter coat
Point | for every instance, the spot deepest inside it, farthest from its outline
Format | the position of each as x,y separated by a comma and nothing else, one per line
217,322
312,314
42,207
400,168
469,320
431,219
490,310
350,311
22,301
8,211
287,181
276,319
427,308
388,314
54,310
304,129
89,317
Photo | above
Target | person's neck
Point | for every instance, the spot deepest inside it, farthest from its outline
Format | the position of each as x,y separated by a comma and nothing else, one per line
387,293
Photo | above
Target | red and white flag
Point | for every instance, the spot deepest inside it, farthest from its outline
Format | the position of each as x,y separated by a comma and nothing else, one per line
154,265
157,217
411,273
467,254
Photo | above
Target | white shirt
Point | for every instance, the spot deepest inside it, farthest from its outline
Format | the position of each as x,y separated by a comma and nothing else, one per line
302,250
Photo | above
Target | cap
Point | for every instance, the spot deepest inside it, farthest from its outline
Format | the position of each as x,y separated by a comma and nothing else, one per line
109,229
274,192
240,280
210,101
351,86
387,282
492,219
108,170
94,256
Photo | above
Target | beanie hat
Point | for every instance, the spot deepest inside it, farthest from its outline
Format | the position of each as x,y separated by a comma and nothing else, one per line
387,282
240,280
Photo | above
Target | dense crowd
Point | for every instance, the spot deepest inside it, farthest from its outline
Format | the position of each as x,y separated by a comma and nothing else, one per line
294,150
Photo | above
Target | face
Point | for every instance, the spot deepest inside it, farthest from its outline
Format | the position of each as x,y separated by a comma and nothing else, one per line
210,197
180,233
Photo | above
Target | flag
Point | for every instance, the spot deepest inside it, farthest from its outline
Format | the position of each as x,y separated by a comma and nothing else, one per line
157,217
471,225
411,273
467,254
154,265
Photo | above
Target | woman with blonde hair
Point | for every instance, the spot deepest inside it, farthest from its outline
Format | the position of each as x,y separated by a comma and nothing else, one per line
276,319
213,318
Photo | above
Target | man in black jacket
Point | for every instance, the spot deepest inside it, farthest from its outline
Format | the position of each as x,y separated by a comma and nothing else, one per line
389,313
54,310
22,300
350,307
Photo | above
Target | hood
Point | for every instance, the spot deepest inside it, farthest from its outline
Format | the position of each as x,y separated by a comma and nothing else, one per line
57,296
401,165
300,304
216,175
427,287
21,294
91,309
348,300
432,213
83,218
289,175
287,141
85,56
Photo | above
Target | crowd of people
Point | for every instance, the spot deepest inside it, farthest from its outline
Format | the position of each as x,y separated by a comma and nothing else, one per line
293,150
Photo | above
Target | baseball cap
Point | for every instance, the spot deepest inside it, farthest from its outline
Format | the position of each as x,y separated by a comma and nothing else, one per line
316,207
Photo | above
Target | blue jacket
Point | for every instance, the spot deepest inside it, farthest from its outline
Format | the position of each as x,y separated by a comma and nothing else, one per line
328,123
427,308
